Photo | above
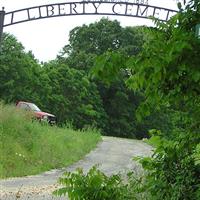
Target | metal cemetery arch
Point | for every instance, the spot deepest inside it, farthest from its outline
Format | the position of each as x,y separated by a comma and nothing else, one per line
114,7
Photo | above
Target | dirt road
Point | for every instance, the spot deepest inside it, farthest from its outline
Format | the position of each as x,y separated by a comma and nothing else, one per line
113,155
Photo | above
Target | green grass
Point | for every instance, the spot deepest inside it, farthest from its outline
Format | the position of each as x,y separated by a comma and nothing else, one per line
28,148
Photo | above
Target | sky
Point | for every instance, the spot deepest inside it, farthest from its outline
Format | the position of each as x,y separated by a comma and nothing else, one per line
46,37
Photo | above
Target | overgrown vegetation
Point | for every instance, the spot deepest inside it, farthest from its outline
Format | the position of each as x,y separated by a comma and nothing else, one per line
109,77
65,88
167,72
28,147
95,185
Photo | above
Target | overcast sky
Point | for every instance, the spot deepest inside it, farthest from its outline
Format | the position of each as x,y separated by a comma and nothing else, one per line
46,37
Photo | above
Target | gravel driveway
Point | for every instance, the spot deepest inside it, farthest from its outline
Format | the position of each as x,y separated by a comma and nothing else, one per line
113,155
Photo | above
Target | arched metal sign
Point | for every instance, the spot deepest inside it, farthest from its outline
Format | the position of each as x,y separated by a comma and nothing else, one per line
140,9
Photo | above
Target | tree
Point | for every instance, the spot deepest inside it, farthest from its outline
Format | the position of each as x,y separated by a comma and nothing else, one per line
86,43
75,99
95,38
167,72
21,76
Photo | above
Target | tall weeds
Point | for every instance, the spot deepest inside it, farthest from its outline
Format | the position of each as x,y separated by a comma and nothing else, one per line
28,147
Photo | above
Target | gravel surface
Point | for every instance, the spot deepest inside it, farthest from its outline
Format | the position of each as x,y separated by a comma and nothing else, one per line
112,155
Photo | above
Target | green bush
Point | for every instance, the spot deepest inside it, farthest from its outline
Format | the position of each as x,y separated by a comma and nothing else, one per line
95,185
92,186
172,173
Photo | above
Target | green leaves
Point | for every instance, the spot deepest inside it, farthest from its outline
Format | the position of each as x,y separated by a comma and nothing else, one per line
94,185
172,173
107,66
166,69
197,155
75,97
19,73
167,72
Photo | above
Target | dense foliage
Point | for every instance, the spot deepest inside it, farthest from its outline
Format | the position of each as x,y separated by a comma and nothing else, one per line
108,77
65,87
20,74
167,72
157,83
95,185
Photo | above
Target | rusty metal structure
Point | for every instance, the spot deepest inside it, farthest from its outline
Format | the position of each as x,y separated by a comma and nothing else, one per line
95,7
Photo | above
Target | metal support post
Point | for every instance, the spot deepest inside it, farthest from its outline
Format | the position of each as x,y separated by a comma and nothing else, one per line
2,15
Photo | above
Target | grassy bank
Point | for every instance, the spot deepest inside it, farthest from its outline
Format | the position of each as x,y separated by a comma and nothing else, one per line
28,147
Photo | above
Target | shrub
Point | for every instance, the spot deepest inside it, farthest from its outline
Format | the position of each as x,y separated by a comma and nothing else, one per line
95,185
172,173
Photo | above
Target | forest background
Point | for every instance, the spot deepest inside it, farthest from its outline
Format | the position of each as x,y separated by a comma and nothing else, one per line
66,86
